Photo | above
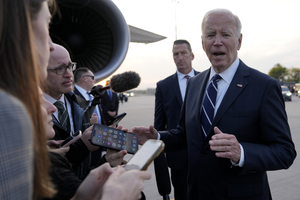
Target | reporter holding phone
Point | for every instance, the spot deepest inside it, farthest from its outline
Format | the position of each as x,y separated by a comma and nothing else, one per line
110,183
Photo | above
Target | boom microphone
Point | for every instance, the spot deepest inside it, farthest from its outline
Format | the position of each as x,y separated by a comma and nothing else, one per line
119,83
126,81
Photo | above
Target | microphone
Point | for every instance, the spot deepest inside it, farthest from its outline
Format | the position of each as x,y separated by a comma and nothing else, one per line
162,176
126,81
119,83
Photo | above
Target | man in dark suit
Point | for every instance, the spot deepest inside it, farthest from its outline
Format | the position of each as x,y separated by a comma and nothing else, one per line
169,97
84,81
109,104
58,89
230,154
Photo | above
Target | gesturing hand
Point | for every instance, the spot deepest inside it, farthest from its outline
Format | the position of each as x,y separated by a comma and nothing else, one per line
225,145
145,133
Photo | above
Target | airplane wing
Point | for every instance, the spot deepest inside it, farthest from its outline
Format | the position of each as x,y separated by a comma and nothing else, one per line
142,36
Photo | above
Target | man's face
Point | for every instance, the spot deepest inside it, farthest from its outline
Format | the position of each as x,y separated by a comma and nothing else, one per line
59,84
89,79
220,41
182,58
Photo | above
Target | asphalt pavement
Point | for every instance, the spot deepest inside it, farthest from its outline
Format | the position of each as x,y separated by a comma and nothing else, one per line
284,184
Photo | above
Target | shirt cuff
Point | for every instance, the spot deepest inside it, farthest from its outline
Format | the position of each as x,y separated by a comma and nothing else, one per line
158,136
242,159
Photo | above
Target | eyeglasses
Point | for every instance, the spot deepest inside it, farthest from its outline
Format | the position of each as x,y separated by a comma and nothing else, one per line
89,76
62,69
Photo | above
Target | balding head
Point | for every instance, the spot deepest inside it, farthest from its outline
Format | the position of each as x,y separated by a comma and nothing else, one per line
59,56
58,84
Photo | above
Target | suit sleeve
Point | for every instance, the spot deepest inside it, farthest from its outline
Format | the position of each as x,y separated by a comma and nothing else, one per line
276,149
175,139
159,115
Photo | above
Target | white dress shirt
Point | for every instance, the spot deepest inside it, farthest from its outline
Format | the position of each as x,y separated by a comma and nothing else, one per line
182,81
89,97
67,106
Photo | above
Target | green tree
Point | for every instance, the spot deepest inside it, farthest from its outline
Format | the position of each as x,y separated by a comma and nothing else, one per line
294,75
278,72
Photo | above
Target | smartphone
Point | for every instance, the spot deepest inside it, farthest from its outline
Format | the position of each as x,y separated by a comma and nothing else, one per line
145,155
70,140
116,119
116,139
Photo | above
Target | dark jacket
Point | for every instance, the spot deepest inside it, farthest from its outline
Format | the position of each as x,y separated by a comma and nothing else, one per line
78,155
109,105
254,111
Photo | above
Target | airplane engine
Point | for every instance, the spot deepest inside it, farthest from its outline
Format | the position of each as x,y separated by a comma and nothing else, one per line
94,32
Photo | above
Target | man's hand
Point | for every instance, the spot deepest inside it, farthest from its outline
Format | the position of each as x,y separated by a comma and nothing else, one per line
114,157
112,113
145,133
86,137
94,119
226,145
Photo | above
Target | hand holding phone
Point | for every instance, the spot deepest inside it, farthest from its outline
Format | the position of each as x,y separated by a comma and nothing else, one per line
145,155
70,140
116,119
112,138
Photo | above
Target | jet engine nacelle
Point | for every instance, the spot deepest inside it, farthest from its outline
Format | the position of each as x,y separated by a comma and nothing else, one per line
94,32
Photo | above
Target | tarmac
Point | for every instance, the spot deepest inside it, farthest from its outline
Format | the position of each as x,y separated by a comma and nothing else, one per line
284,184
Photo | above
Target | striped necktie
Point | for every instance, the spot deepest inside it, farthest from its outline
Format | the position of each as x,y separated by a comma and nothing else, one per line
63,116
187,79
208,106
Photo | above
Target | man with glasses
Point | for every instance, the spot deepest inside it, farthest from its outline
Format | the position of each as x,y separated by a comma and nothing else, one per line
70,116
84,81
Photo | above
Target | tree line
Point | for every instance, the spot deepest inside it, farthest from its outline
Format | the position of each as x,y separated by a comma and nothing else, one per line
283,74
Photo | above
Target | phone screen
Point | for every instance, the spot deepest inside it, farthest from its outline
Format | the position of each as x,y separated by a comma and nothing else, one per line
112,138
146,154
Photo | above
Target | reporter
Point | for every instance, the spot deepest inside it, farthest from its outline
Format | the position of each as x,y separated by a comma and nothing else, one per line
120,185
22,34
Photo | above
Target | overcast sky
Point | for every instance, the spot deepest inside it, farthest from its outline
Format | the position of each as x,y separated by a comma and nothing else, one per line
271,34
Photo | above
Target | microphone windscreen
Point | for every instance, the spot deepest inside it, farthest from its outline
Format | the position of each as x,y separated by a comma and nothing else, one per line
125,81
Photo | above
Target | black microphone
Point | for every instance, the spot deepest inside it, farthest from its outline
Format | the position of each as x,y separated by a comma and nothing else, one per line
119,83
162,176
126,81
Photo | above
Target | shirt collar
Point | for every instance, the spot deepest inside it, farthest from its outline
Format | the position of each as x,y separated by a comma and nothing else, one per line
52,100
181,75
83,92
228,74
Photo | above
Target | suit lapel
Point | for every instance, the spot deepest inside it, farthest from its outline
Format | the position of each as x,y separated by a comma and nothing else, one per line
237,85
197,86
175,86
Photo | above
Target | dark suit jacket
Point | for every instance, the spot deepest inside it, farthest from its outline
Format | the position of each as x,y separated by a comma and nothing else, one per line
168,104
92,107
78,152
253,109
109,105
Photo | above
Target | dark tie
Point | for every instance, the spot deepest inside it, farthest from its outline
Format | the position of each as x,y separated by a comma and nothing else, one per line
187,79
62,115
208,107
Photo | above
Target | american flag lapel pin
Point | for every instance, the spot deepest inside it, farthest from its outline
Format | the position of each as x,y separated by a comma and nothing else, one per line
239,85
